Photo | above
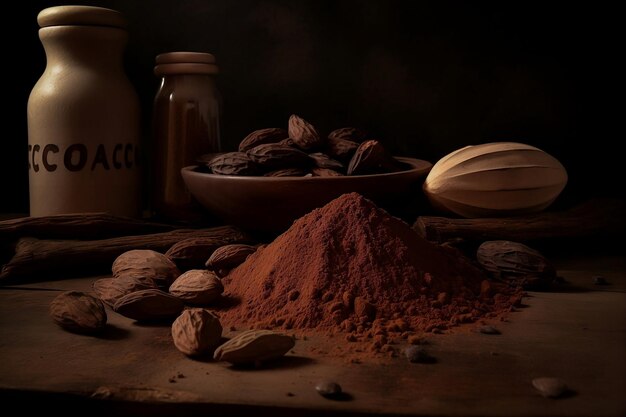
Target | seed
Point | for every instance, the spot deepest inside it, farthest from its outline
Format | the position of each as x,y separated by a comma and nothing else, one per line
599,280
489,330
78,312
550,387
328,389
417,354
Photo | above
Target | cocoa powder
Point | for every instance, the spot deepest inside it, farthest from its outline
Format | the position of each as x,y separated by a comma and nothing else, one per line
349,267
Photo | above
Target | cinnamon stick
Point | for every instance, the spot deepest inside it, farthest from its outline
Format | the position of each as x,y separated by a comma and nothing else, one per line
594,218
38,259
78,226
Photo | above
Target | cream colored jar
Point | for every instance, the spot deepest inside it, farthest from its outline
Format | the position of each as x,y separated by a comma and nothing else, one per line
83,117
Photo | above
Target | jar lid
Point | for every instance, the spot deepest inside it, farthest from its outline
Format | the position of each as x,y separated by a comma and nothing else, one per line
186,58
81,16
185,63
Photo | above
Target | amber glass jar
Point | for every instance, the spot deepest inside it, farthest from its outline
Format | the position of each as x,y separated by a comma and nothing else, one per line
186,125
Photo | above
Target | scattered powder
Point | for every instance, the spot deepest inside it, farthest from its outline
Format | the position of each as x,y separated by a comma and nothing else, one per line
352,270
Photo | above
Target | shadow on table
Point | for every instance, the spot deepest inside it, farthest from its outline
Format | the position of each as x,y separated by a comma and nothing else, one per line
285,362
564,287
154,323
112,332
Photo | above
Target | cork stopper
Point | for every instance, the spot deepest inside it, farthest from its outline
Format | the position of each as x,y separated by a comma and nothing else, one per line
80,16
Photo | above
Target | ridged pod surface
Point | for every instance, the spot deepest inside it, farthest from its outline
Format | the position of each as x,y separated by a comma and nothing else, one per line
495,179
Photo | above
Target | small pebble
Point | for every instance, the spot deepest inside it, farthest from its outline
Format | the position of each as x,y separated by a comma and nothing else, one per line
550,387
417,354
290,394
172,380
599,280
180,375
417,340
488,330
328,389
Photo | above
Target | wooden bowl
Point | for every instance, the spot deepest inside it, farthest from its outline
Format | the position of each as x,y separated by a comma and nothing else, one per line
271,204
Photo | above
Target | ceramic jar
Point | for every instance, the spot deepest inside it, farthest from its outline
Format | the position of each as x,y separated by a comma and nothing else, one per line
83,117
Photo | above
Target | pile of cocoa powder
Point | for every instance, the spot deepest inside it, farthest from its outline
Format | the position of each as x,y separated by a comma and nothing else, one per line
352,269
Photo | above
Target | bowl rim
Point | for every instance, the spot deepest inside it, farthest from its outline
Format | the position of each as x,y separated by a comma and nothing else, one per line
418,167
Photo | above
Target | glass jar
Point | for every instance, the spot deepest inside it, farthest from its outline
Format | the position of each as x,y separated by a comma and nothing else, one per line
186,126
83,117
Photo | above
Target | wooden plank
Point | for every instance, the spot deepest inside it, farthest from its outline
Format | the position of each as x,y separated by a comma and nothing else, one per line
578,335
41,259
596,218
78,226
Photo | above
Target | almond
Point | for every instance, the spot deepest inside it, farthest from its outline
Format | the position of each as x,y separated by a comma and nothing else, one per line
286,172
367,158
78,312
325,172
196,332
149,304
254,346
197,286
341,149
145,264
322,160
515,264
228,257
274,155
262,136
193,252
109,290
352,134
303,133
232,163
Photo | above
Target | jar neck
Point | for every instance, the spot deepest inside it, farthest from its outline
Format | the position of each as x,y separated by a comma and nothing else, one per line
172,80
94,46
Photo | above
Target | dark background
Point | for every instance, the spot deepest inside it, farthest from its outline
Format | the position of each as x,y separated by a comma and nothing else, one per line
426,77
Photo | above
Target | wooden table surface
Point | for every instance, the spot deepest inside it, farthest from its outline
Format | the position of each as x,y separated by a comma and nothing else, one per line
577,334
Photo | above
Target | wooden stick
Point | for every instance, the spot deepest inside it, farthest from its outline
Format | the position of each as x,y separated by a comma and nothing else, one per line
595,218
78,226
39,259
